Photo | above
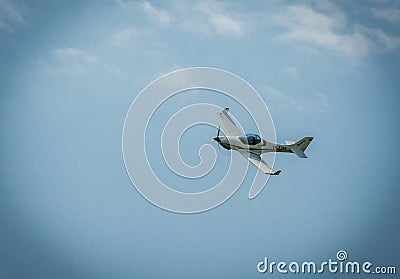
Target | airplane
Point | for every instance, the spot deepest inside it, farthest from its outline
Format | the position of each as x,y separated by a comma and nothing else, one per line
251,146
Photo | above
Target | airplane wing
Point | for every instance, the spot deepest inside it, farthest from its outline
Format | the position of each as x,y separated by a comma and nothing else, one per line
258,162
228,125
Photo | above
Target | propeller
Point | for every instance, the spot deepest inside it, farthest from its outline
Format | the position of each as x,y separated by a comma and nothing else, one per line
217,139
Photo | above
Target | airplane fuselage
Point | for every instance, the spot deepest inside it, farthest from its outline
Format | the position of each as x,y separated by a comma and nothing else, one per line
235,143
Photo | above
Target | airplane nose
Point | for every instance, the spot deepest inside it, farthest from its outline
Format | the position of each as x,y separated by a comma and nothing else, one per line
217,139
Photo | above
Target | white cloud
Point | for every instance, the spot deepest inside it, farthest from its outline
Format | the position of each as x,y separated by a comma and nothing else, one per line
304,24
204,17
226,25
126,36
210,17
76,62
388,14
75,54
292,71
126,5
222,20
11,15
315,26
317,103
381,40
157,15
330,29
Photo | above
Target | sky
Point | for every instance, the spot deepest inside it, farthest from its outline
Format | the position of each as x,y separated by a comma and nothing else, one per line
69,72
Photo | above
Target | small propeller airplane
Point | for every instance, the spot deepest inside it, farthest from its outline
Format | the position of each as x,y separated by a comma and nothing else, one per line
251,146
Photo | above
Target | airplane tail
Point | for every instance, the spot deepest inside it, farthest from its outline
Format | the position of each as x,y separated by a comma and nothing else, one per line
300,146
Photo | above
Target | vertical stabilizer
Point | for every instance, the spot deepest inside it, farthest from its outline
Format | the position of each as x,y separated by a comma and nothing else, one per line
300,146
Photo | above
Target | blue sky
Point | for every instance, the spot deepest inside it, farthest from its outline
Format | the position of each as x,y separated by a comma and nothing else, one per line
69,72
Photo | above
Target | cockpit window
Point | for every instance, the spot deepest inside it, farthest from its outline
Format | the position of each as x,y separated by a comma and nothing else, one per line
250,139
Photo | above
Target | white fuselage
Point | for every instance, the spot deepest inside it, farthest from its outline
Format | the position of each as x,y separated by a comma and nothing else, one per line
234,143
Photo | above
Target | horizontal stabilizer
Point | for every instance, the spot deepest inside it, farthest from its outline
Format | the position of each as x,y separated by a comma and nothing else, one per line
290,142
300,146
299,153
